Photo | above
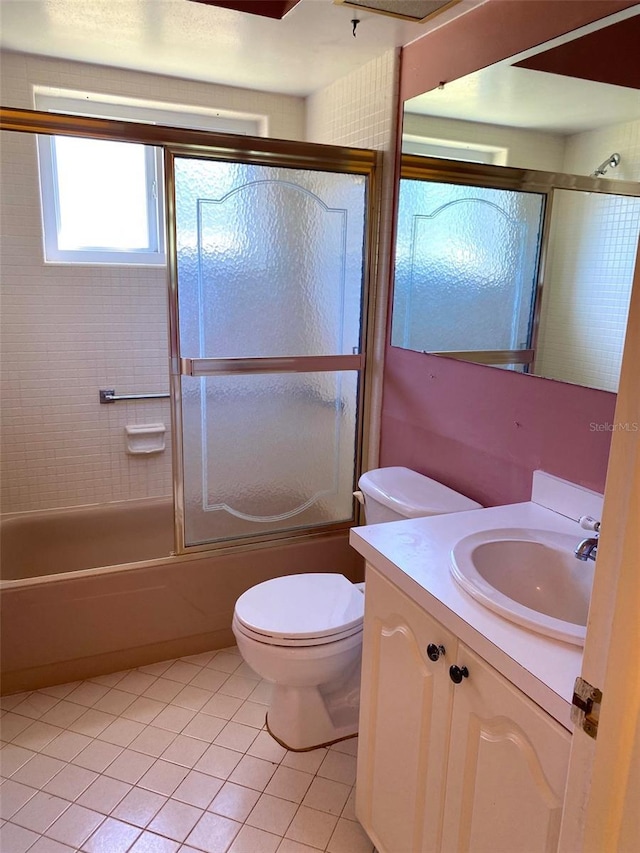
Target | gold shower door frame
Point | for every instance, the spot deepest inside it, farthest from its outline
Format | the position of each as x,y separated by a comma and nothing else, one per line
251,150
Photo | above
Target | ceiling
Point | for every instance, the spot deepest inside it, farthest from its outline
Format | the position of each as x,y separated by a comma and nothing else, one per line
307,50
511,96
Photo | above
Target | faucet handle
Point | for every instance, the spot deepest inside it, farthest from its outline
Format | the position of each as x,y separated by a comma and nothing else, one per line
586,522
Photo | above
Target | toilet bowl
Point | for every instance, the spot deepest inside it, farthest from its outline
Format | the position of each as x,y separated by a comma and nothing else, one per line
303,632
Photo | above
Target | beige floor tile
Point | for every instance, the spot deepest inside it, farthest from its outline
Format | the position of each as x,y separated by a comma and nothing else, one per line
234,801
250,714
213,833
115,701
349,837
175,820
37,735
98,755
252,840
66,746
10,701
236,736
112,836
264,746
201,659
35,705
63,714
338,767
197,789
149,842
312,827
182,672
349,746
14,796
163,777
164,690
38,770
14,757
209,679
143,709
16,839
121,732
12,724
327,796
136,682
225,662
253,772
204,727
104,794
218,761
58,690
288,845
110,679
174,719
308,762
153,740
70,782
272,814
192,697
289,784
75,825
156,668
222,706
48,845
129,766
238,686
139,807
349,810
87,693
92,722
184,750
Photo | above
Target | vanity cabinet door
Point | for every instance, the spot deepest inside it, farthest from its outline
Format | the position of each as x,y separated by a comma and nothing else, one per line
507,767
404,722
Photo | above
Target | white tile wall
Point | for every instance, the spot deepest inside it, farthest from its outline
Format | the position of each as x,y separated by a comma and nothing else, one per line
69,330
592,258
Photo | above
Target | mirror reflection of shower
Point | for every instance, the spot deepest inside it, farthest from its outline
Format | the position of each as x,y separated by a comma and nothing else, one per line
612,161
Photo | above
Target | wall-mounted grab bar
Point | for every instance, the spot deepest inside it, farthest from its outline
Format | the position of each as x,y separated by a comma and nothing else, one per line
108,395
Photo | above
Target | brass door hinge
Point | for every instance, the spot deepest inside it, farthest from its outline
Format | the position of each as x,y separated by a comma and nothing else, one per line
585,707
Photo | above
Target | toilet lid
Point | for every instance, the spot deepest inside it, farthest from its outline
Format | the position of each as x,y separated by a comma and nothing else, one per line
302,606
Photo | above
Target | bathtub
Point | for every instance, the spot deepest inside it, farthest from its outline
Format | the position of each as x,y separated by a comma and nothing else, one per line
91,590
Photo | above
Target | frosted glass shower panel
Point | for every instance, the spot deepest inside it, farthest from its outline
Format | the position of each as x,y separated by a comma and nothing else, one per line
466,267
267,453
270,259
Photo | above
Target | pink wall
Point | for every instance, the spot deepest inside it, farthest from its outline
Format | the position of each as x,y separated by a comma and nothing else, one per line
478,429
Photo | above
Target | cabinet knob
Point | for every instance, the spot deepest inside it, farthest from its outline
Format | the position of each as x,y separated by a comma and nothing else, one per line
434,652
457,673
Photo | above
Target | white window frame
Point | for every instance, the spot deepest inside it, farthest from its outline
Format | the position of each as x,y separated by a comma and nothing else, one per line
449,149
124,109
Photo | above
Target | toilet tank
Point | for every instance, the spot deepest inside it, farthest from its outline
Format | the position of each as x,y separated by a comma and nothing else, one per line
392,494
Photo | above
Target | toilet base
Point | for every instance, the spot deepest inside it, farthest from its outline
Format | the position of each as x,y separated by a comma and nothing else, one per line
303,718
305,748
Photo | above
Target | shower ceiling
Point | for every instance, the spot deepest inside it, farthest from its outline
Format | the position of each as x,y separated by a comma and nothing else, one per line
305,51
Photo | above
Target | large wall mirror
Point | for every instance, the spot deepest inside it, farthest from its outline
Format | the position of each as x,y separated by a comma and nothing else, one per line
519,209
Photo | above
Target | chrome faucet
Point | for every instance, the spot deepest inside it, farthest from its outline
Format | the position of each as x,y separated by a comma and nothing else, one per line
587,549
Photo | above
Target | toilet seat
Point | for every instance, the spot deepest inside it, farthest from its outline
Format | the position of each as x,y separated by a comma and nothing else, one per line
301,610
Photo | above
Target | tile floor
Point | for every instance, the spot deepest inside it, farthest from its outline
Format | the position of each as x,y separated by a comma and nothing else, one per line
165,758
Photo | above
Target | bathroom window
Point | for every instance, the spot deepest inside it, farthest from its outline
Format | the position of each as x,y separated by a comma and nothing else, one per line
102,201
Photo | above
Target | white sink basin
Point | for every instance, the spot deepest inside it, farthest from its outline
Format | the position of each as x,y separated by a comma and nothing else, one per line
528,576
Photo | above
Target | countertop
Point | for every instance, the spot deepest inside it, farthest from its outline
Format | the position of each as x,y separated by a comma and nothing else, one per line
415,556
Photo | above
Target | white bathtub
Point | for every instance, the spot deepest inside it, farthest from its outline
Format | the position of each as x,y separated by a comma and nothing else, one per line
92,590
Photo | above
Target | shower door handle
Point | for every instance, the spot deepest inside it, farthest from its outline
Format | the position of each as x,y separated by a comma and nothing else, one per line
284,364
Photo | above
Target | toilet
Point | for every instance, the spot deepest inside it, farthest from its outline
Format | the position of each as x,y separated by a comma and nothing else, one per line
303,632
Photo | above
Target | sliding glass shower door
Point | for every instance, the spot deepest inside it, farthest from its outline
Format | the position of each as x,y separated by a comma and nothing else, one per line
270,271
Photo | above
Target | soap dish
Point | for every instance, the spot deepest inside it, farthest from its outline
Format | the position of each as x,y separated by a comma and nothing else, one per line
145,438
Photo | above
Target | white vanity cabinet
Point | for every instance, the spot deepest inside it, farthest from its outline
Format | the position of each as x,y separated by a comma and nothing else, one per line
475,766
